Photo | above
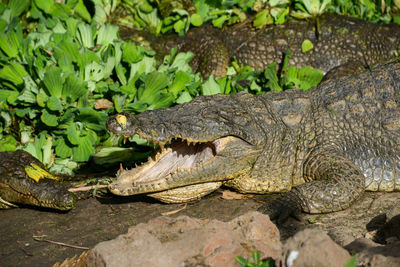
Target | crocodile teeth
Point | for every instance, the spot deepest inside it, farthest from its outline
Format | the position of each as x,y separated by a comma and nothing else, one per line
121,168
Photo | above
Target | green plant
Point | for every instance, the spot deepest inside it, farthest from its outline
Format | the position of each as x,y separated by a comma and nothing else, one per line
257,261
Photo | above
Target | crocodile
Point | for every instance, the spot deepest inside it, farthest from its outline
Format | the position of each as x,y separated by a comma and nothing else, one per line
23,180
322,147
341,45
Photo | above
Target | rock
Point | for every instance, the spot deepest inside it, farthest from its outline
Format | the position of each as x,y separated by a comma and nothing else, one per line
369,253
185,241
312,247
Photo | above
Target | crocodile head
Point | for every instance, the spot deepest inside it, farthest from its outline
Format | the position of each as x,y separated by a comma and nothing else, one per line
18,187
198,150
45,193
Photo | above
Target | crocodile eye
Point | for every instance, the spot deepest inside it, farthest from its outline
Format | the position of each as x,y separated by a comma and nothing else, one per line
121,119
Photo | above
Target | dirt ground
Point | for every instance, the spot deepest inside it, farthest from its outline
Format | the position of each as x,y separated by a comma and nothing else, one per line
98,219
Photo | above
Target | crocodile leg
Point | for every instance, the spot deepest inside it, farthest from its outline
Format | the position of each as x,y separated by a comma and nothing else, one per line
334,183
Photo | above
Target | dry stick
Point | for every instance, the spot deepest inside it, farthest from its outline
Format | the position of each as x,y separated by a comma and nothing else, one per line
87,188
174,211
40,239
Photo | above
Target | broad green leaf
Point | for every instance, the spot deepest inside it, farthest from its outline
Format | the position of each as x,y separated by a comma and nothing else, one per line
118,101
31,149
35,148
262,18
93,119
45,5
22,112
3,25
211,87
180,80
81,10
62,149
309,77
100,15
184,97
6,118
18,6
220,21
132,53
120,70
181,62
64,166
306,46
54,104
279,14
107,34
72,134
270,74
49,119
10,43
30,84
83,150
94,72
53,81
27,96
130,88
72,25
145,66
64,60
84,35
8,96
47,152
196,20
161,100
14,72
7,143
303,78
41,98
154,82
74,88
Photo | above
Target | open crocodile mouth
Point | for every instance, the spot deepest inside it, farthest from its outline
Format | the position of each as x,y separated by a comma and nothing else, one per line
169,169
186,169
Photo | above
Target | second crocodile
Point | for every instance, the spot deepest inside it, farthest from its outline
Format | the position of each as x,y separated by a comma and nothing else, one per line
325,145
23,180
341,45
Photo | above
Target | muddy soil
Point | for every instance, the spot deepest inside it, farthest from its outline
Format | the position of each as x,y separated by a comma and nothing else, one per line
99,219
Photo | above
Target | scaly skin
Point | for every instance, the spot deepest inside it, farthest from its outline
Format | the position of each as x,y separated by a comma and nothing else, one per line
342,45
16,187
325,145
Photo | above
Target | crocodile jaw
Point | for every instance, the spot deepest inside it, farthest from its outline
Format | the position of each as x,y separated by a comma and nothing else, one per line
196,169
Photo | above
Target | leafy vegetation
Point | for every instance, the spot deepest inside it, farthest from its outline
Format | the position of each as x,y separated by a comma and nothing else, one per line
64,69
257,261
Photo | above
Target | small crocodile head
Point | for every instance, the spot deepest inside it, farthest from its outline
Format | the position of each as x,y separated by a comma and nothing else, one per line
45,193
197,147
17,187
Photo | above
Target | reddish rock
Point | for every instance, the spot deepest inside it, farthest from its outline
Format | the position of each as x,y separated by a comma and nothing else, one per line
312,247
186,241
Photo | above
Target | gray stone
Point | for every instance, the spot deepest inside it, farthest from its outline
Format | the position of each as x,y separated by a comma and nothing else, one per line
185,241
